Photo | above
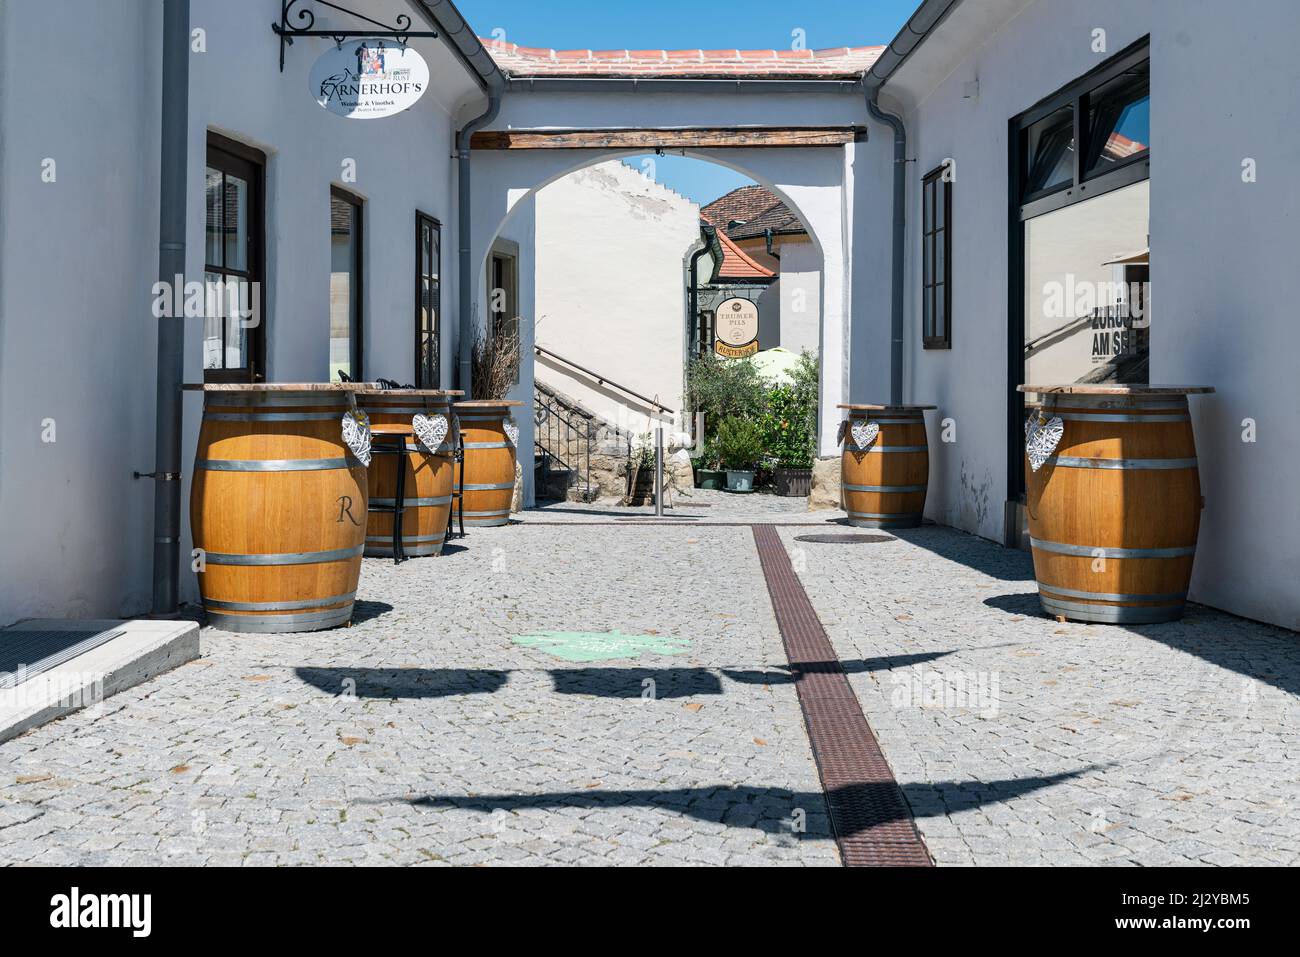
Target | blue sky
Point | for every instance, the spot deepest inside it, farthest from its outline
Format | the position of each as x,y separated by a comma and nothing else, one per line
688,24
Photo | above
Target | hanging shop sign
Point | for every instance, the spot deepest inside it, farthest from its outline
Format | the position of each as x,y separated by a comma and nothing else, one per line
368,80
736,328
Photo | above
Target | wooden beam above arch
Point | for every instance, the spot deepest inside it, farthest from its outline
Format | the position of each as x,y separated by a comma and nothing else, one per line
747,137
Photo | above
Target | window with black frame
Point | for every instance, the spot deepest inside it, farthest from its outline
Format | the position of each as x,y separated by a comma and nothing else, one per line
936,260
234,328
428,301
345,285
1080,187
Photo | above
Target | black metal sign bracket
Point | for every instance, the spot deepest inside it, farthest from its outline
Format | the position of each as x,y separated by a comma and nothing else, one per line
304,25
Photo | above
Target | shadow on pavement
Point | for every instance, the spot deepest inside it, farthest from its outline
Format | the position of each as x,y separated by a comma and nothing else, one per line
768,809
1004,564
402,682
685,682
369,610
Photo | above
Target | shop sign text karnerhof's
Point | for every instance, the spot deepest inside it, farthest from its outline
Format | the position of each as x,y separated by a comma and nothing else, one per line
368,80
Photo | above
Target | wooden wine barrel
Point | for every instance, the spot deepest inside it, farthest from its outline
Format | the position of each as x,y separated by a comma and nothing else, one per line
1115,509
884,485
278,506
426,492
489,480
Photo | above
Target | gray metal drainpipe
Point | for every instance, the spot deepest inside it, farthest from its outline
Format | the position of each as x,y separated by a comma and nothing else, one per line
171,330
899,238
464,222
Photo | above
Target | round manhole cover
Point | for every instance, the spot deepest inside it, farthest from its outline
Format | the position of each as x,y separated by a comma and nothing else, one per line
843,539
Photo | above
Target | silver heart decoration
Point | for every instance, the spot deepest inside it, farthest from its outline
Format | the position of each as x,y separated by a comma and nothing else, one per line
430,430
356,433
512,433
864,433
1042,436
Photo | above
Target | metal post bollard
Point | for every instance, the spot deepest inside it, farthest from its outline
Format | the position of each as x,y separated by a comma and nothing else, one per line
659,470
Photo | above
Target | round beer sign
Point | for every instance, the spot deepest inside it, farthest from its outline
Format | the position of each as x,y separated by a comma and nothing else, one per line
368,80
736,325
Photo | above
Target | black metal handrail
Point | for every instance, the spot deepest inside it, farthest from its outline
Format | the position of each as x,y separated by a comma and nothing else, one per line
601,380
565,435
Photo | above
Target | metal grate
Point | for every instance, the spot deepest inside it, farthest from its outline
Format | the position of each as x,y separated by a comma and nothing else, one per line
24,653
872,821
844,539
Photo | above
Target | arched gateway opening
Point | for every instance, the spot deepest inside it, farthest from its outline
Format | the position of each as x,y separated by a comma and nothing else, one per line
620,289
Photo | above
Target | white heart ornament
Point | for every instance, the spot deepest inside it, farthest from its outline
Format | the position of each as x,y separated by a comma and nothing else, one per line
356,434
430,430
864,433
512,433
1042,436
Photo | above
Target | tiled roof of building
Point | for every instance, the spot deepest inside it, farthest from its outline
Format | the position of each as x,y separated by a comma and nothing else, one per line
755,209
830,64
737,264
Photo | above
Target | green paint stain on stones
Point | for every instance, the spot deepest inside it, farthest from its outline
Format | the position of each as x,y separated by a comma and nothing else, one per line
601,645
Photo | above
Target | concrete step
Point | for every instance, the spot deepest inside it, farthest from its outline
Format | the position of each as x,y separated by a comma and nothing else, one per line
143,650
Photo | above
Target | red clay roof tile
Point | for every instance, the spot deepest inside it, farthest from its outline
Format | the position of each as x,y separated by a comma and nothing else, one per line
833,63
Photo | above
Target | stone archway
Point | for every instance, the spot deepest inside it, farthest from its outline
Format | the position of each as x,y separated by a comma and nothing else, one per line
810,180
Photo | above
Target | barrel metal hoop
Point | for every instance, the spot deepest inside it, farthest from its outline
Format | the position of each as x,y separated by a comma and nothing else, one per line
406,539
400,409
909,516
387,504
1118,417
1110,596
1113,614
887,489
494,511
277,605
1075,462
488,445
225,400
1128,403
267,624
1085,551
270,416
895,448
498,487
275,465
283,558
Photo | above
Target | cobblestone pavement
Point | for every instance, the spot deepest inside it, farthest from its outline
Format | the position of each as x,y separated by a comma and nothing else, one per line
425,734
459,746
1018,740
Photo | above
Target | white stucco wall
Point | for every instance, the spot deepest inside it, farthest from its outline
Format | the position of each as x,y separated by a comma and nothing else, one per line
1223,89
611,291
78,259
800,292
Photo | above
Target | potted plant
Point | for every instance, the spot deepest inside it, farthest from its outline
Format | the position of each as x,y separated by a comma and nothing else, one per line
708,473
720,388
740,446
641,473
790,429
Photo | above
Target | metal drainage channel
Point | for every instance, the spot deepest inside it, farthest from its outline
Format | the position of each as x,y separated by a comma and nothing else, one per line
872,822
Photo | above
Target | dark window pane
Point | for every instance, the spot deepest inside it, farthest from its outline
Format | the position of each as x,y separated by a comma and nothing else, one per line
941,205
212,195
1049,151
235,227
